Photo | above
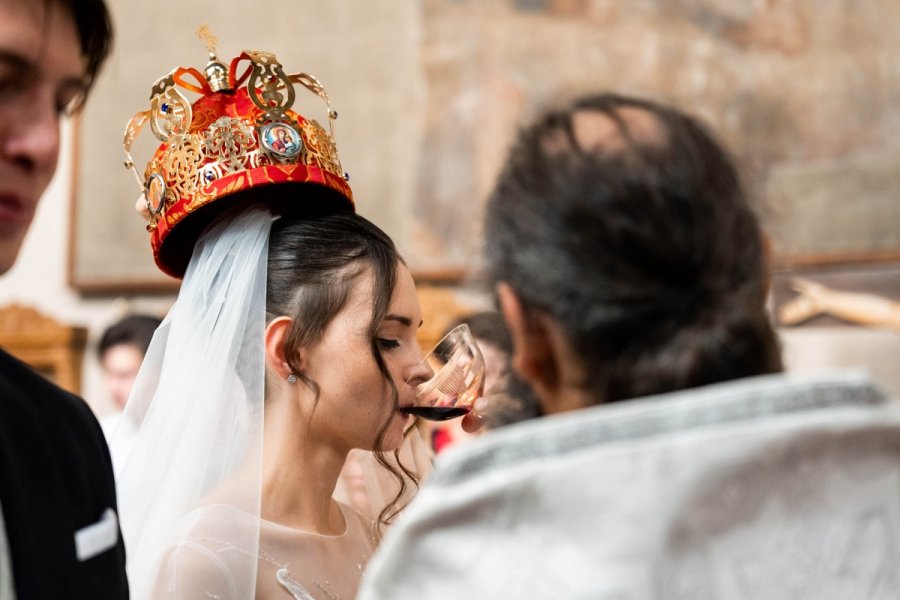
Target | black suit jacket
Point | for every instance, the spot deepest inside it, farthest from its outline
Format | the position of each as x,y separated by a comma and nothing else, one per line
55,479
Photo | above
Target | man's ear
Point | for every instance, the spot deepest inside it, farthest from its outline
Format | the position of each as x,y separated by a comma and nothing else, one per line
275,334
532,356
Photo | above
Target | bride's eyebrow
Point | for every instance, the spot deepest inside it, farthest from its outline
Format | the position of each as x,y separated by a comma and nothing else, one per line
405,321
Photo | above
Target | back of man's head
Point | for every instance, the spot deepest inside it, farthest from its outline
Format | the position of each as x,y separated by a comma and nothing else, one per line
625,222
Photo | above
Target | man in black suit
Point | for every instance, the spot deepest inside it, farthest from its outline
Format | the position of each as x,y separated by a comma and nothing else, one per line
59,533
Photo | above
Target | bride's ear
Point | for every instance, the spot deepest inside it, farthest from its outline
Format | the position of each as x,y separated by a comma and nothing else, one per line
276,333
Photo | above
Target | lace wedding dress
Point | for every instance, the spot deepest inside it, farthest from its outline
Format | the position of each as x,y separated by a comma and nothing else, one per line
289,563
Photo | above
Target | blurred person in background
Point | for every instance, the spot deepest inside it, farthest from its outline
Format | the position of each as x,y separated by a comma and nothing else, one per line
121,351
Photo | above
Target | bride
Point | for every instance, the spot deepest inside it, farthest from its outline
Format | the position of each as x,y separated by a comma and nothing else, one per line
339,342
292,343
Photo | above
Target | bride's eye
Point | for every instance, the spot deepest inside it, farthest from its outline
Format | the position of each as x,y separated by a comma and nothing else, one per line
388,344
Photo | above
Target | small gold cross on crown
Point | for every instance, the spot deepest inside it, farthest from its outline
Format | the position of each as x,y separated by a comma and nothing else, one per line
205,34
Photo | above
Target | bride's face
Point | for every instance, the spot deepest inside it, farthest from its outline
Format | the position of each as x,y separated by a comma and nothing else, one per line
355,399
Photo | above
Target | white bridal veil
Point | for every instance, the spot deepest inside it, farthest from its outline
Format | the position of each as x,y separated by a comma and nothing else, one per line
198,406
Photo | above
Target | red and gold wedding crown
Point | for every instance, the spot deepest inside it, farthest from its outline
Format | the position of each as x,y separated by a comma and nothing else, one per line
234,138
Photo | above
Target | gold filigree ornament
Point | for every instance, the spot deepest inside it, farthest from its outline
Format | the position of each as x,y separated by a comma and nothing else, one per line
132,129
321,148
182,166
228,141
170,111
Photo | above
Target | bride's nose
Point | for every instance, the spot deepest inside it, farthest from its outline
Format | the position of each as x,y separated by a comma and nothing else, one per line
419,373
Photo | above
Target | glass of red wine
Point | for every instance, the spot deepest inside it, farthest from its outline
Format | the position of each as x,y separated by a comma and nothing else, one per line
458,380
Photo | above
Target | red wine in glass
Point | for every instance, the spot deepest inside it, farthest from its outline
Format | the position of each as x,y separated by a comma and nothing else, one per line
436,413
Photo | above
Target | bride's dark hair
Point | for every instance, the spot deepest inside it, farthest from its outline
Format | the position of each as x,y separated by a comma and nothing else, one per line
313,264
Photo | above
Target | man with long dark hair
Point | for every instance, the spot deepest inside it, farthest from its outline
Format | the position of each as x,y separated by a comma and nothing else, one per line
59,534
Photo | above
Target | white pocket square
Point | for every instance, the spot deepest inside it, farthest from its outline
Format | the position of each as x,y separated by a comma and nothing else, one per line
99,537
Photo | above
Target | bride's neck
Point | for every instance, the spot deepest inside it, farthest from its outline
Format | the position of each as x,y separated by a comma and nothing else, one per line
299,476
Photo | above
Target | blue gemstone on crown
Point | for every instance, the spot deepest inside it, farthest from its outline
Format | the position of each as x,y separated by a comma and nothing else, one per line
164,107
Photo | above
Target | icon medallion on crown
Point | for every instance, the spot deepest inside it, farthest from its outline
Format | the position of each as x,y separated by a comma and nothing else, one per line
281,140
241,133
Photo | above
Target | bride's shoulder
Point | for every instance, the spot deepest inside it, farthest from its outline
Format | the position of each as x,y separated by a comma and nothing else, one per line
214,523
214,544
195,570
213,533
